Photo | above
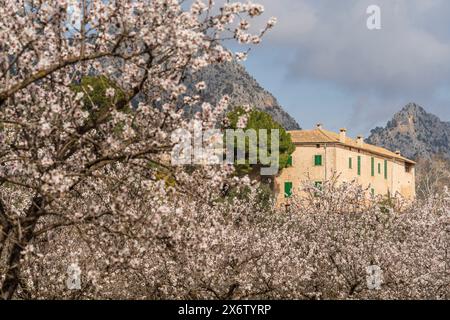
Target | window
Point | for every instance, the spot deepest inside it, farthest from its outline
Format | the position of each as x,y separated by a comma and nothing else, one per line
317,160
359,165
289,161
379,168
385,169
287,189
350,163
408,167
372,166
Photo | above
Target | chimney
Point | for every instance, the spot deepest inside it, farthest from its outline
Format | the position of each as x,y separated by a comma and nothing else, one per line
319,126
360,141
342,135
397,152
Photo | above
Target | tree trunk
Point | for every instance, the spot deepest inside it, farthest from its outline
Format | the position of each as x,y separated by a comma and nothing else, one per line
28,225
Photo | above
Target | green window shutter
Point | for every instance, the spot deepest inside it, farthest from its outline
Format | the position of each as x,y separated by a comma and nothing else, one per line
289,162
372,166
372,191
359,165
287,189
385,169
350,164
379,168
317,160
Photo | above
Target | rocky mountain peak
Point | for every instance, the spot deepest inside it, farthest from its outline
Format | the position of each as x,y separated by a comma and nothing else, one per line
413,113
233,80
415,132
413,109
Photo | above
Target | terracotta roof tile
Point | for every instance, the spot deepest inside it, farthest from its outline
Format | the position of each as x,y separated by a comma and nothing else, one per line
325,136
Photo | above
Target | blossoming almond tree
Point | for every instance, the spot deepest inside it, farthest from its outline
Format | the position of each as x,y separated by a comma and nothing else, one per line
90,92
408,241
66,161
172,247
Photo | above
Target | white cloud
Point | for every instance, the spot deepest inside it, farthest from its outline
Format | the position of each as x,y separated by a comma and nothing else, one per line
326,44
295,20
401,56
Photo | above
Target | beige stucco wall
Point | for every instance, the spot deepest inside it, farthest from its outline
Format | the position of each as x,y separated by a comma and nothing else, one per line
336,161
403,182
303,168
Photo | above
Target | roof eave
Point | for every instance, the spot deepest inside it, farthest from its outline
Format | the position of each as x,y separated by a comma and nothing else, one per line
351,146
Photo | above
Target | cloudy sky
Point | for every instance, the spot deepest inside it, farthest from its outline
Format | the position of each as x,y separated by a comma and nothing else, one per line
324,65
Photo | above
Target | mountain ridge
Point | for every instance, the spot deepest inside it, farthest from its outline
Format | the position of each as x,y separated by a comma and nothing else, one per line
415,132
232,79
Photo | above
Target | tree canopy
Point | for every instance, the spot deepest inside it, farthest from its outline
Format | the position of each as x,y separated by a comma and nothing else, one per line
257,119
